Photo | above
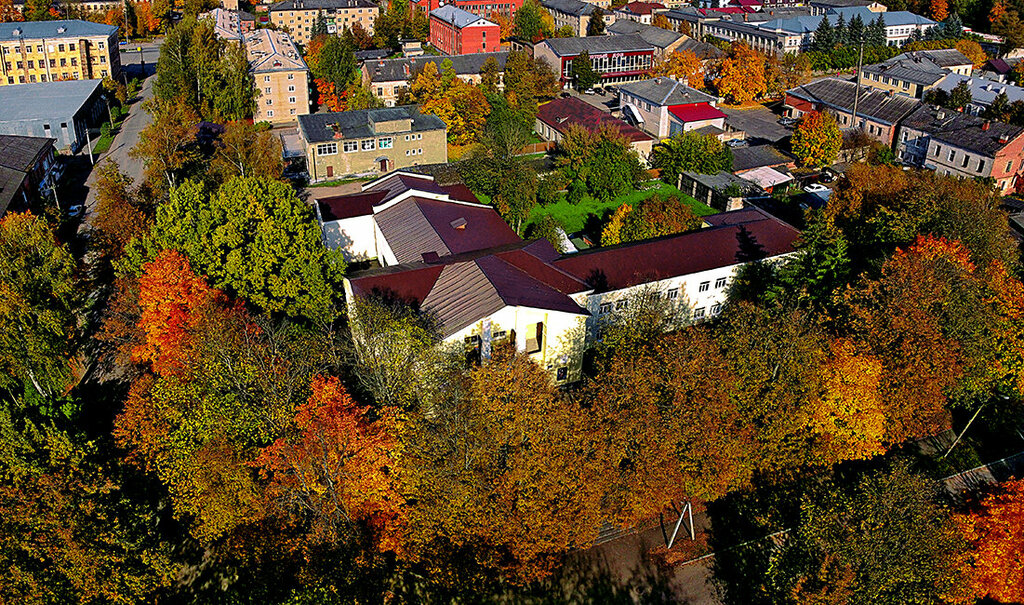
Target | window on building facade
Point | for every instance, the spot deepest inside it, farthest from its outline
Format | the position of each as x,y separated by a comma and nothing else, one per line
368,145
386,143
1009,166
270,101
951,155
562,373
967,160
981,165
621,304
672,294
605,308
704,286
291,88
291,100
270,113
716,308
720,282
327,149
350,146
699,313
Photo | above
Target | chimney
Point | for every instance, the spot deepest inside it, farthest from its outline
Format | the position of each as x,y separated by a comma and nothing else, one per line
405,68
1004,139
458,224
986,125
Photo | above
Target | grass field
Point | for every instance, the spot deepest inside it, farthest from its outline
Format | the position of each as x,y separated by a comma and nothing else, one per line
573,217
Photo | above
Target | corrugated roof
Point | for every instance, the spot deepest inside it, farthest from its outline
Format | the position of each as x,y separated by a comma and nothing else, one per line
642,8
18,157
666,91
943,57
636,263
322,127
696,112
561,113
457,17
962,130
52,29
44,100
983,92
396,70
703,50
838,94
569,7
657,36
571,47
918,70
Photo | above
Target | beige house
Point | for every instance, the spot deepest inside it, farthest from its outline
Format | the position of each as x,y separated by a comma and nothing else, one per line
299,16
914,73
371,141
48,51
280,75
575,14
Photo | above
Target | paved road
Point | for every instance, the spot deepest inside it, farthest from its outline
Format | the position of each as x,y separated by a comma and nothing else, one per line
136,65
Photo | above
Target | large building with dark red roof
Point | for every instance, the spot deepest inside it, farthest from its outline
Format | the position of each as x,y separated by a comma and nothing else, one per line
555,117
488,286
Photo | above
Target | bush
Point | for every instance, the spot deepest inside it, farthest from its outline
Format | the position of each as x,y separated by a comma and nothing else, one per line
105,129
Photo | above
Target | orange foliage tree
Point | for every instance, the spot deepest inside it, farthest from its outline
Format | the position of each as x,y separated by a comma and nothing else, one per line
170,297
994,527
683,65
9,12
335,470
939,9
742,75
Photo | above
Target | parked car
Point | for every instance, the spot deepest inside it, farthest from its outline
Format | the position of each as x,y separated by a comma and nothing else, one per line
788,122
816,188
565,94
76,211
736,143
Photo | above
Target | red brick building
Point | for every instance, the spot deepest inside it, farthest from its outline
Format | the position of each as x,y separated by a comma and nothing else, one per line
454,31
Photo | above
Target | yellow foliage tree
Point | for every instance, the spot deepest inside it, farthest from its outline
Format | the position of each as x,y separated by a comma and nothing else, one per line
742,77
817,139
682,65
612,231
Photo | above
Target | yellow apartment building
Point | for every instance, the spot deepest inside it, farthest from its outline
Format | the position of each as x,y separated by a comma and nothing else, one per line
49,51
299,16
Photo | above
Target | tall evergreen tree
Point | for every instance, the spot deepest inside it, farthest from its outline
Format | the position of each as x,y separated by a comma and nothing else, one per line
842,34
595,26
319,26
876,32
855,32
584,75
824,36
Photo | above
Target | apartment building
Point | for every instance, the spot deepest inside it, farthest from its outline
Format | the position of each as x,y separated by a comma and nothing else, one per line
48,51
371,141
641,12
280,75
575,14
878,112
454,31
914,73
956,144
617,59
299,16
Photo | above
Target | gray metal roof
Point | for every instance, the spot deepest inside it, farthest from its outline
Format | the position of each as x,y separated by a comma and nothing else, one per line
874,104
323,127
43,100
52,29
394,70
944,57
983,91
918,70
571,47
962,130
657,36
569,7
666,91
703,50
449,13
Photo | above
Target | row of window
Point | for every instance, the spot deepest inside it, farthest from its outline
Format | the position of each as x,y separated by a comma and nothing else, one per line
53,63
350,146
16,50
966,161
270,112
670,294
605,64
42,77
290,77
291,100
698,313
413,152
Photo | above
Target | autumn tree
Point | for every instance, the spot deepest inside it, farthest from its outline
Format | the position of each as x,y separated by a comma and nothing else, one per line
334,469
123,211
817,139
834,554
532,22
601,163
39,293
939,9
506,471
690,152
254,238
595,24
652,217
244,150
168,146
742,75
661,21
992,528
462,106
9,13
683,65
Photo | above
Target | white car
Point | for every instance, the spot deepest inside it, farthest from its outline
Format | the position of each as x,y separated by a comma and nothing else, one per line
816,188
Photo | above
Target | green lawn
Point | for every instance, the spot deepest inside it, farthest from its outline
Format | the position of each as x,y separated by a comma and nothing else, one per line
104,141
573,217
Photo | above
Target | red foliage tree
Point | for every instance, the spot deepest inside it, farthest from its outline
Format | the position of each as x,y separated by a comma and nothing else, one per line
995,530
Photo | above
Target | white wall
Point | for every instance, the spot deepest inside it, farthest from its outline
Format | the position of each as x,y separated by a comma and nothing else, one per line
354,237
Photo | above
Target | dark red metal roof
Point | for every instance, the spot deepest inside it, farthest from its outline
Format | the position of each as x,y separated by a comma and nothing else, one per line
560,113
696,112
338,207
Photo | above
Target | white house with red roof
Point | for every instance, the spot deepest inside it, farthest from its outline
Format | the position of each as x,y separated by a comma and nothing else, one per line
404,217
665,106
641,12
491,287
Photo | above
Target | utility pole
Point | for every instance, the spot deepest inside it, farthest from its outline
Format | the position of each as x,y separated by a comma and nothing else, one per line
856,94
